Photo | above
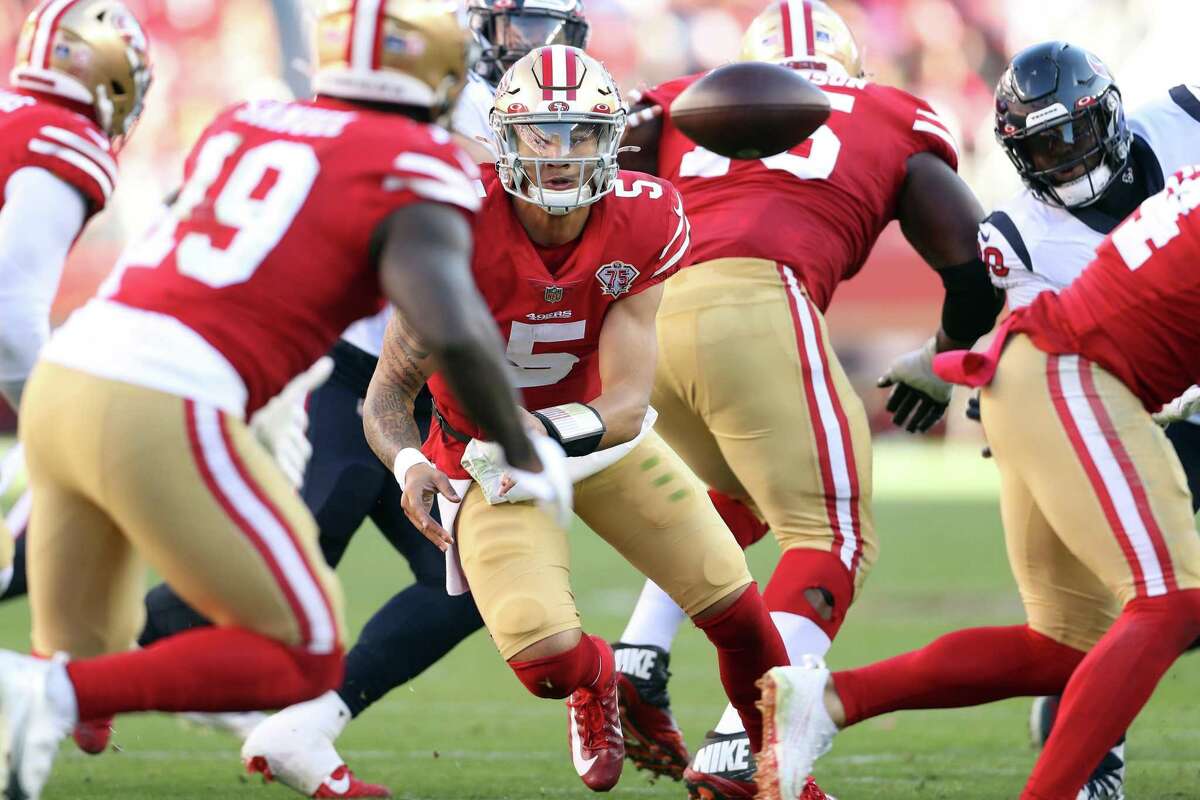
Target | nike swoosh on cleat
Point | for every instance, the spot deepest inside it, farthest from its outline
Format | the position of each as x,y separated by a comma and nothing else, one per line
582,765
339,786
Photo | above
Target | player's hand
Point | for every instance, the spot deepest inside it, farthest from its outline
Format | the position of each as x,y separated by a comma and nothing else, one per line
551,487
281,426
1182,407
422,483
920,397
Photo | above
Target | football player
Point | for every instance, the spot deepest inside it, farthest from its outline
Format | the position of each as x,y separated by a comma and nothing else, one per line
81,76
750,392
1095,505
345,483
132,419
1061,121
577,255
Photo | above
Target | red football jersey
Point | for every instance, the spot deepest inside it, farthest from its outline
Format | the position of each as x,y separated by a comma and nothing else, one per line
36,131
1134,310
267,254
636,237
817,208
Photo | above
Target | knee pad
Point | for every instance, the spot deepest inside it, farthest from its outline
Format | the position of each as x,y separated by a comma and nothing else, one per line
741,520
801,569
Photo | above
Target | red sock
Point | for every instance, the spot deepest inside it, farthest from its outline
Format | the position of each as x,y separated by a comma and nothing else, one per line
206,669
747,528
586,665
747,646
1110,687
965,668
801,569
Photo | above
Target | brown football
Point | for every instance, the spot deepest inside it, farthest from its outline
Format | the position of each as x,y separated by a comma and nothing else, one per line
750,110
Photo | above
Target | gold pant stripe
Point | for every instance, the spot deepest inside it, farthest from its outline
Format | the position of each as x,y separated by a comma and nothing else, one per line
1111,472
835,448
249,507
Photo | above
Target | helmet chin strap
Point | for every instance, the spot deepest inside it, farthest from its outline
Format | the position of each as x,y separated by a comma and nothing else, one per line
1085,189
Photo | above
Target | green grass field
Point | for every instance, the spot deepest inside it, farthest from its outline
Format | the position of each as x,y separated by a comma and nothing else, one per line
467,729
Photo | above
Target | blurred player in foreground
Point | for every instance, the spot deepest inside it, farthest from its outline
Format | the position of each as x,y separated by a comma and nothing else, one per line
1095,505
1061,120
749,391
132,420
573,271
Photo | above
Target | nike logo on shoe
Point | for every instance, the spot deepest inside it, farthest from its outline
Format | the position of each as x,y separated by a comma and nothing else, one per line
339,785
723,756
582,765
635,661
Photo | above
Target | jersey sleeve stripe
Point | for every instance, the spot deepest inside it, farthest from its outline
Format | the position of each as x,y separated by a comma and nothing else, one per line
436,191
934,118
1002,222
683,248
678,209
76,142
1185,98
430,167
928,127
86,165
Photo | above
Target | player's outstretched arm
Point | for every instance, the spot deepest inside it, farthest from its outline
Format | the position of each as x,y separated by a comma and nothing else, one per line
939,216
628,352
425,270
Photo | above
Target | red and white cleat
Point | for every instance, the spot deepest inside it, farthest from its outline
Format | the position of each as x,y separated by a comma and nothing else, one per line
92,735
340,783
813,792
653,741
594,733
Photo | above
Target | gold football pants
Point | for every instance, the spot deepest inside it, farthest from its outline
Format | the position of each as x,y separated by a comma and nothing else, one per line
751,395
648,506
1095,503
121,473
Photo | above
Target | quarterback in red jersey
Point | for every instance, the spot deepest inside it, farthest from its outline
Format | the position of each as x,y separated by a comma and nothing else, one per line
294,220
1096,509
577,254
749,390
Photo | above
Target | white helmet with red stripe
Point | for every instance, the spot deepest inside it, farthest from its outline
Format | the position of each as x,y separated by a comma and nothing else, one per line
401,52
89,51
558,120
806,34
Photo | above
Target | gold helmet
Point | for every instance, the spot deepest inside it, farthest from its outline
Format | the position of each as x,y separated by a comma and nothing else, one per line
806,34
90,51
403,52
558,121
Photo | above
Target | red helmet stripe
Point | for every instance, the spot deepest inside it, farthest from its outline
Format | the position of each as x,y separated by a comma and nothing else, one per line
572,80
364,33
350,36
809,39
547,73
377,53
40,48
785,11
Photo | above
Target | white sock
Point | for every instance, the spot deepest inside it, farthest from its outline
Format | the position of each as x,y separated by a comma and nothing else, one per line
61,692
655,619
801,637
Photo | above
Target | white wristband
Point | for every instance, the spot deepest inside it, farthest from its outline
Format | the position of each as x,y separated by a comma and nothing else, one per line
406,459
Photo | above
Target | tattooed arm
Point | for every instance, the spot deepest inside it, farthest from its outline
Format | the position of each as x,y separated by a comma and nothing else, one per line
424,268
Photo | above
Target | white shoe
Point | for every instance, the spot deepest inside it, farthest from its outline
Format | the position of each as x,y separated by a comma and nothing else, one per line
797,729
295,746
238,723
31,723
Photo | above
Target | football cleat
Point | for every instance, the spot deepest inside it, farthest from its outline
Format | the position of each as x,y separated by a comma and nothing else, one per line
30,726
295,748
797,729
1041,719
653,741
92,736
722,769
594,733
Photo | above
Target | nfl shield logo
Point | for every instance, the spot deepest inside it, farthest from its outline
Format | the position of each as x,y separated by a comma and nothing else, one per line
553,294
616,278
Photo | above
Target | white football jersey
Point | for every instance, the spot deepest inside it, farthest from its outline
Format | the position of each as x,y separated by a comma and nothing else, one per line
1031,246
471,120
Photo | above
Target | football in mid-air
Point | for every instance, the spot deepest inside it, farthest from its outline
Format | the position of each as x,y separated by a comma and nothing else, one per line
750,110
